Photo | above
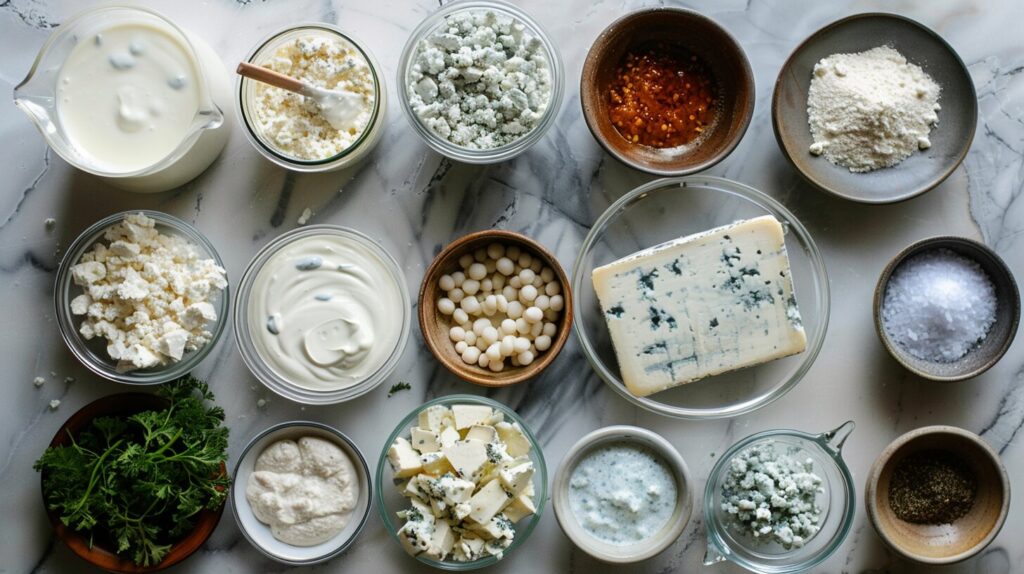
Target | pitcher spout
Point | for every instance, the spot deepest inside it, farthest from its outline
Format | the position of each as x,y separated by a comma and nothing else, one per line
712,555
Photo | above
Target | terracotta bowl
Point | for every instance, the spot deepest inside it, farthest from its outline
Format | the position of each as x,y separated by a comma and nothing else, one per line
125,404
1000,336
435,325
703,37
947,543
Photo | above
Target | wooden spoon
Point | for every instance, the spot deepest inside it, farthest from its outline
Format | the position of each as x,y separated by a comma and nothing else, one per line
340,108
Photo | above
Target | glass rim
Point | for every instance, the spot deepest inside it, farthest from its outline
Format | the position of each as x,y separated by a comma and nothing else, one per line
66,321
323,164
714,527
523,142
264,372
819,275
540,479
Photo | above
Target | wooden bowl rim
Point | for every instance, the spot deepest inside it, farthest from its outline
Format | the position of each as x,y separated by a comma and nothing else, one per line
871,493
101,557
427,309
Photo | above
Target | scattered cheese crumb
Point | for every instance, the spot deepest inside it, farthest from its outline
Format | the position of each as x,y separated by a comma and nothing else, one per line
54,404
306,214
261,403
68,380
38,382
49,223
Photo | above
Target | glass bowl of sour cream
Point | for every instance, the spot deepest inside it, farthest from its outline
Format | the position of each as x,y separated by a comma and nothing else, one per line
322,314
445,104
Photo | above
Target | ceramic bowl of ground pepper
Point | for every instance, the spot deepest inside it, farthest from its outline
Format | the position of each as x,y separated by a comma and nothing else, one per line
667,91
938,495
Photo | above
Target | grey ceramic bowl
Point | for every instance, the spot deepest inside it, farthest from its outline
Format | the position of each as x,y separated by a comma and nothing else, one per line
947,543
915,175
999,337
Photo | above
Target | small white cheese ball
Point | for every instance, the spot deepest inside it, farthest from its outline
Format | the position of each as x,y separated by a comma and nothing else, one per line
528,294
470,337
446,283
477,271
525,260
533,315
490,266
513,252
470,305
482,360
542,302
537,265
551,315
458,277
456,295
508,326
465,261
505,266
457,334
470,355
460,316
495,250
502,303
487,286
480,255
521,345
461,347
496,366
446,306
522,326
515,282
470,286
557,302
536,329
507,346
498,281
543,343
552,288
515,310
525,358
510,293
547,274
527,276
550,329
490,335
490,304
479,325
494,352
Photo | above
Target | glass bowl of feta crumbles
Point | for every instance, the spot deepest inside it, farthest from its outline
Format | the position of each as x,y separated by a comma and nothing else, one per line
461,482
780,501
480,81
141,297
699,298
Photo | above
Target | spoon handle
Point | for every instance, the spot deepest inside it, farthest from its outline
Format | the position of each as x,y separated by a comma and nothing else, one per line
261,74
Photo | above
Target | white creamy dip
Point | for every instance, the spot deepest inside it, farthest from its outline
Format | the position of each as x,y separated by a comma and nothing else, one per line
127,96
622,493
325,312
304,490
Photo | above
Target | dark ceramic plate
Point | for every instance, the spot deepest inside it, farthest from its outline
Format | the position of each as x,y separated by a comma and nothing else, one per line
915,175
993,347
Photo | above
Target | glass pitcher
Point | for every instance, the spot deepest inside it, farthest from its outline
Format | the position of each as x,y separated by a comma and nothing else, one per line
36,95
837,504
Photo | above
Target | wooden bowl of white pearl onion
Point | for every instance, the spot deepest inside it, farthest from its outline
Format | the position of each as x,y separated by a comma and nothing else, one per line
495,308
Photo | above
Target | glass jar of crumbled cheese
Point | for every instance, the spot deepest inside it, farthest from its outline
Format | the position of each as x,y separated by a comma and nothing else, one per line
480,81
288,128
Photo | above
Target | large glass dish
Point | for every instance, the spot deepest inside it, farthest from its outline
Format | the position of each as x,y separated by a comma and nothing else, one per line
389,500
666,209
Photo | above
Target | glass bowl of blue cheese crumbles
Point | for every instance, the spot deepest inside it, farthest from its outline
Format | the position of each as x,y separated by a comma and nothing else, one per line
780,501
699,298
461,482
480,81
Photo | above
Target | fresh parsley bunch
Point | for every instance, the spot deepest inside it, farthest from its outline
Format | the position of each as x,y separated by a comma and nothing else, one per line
138,483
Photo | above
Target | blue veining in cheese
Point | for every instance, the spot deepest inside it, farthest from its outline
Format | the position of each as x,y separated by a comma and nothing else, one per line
701,305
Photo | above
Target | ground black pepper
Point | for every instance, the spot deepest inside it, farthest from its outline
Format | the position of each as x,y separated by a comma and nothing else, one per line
931,487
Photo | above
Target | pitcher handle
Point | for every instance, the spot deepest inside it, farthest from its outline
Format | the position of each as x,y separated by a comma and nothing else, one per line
836,438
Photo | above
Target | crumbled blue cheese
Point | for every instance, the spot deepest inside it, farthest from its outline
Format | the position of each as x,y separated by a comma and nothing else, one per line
772,495
480,80
465,488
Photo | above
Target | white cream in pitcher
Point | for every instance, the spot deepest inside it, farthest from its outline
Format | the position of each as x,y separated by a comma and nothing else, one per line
127,97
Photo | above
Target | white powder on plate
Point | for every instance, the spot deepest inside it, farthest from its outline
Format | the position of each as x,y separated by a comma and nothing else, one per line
871,109
938,305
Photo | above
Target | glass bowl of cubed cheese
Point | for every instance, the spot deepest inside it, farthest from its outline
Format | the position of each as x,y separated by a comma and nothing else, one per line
461,482
141,297
699,298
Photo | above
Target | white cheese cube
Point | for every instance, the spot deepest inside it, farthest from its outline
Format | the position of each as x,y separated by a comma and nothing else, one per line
467,457
432,418
435,463
521,507
515,479
469,547
483,433
424,440
448,437
404,460
441,542
469,415
487,502
516,443
418,530
498,527
701,305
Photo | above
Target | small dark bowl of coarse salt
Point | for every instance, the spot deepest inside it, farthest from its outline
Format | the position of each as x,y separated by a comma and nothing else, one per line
947,308
937,495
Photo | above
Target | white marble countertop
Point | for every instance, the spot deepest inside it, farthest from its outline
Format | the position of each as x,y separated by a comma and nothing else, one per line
414,202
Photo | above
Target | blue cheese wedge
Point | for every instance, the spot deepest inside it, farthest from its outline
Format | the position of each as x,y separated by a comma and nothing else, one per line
469,479
701,305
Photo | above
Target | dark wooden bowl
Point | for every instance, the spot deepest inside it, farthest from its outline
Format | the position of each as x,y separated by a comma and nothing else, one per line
1000,336
947,543
124,404
703,37
435,325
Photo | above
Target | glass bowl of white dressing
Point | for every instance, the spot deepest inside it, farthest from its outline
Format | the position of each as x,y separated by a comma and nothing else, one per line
835,501
623,494
322,314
